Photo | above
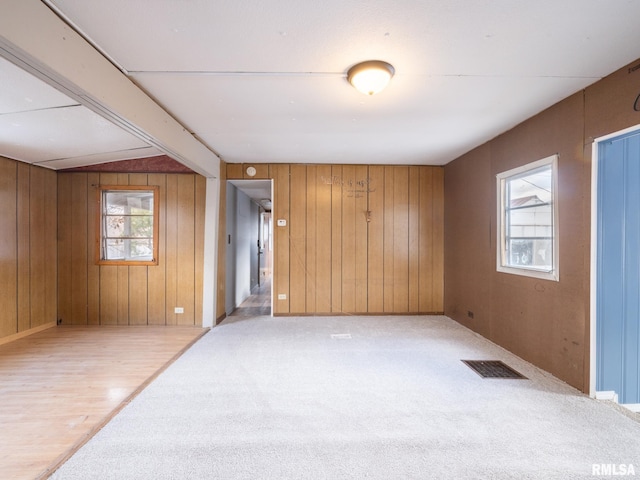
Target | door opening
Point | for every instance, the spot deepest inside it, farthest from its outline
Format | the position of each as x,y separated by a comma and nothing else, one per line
615,281
249,246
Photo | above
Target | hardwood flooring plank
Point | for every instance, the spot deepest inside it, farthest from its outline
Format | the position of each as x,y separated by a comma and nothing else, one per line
61,385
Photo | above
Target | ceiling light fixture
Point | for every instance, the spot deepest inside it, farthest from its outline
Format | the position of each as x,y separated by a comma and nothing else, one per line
370,77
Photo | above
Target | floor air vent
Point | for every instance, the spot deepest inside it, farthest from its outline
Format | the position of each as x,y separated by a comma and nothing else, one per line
492,369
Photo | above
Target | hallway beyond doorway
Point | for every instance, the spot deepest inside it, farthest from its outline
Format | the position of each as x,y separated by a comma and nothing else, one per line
258,303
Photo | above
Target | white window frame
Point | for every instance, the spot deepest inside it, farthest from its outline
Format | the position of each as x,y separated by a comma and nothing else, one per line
501,180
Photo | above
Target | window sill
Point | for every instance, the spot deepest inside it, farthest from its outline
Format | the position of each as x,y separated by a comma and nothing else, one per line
127,263
530,272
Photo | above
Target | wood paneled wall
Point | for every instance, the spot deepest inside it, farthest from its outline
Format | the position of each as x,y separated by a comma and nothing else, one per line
90,294
27,247
358,238
544,322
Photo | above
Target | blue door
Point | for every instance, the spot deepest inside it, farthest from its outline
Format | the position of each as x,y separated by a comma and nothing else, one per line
618,268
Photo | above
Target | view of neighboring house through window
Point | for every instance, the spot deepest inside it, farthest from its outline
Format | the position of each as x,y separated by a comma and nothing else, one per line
128,225
527,220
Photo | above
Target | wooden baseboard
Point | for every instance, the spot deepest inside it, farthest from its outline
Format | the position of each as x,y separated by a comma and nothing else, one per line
221,318
26,333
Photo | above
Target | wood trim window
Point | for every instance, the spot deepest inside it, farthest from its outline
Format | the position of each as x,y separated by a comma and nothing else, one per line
127,233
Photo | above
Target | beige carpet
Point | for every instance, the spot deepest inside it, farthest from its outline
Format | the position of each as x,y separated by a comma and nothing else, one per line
352,398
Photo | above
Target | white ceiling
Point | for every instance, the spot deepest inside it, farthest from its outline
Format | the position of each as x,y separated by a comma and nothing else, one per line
264,81
40,125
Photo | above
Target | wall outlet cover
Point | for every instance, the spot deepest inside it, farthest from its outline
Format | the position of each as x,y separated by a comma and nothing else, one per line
179,310
282,296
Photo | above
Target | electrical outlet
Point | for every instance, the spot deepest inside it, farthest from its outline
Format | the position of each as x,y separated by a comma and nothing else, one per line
179,310
282,296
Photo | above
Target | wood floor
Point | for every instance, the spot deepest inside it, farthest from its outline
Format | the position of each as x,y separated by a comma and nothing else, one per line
59,386
258,303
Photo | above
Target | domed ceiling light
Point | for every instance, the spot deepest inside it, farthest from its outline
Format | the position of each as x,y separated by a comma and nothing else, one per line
370,77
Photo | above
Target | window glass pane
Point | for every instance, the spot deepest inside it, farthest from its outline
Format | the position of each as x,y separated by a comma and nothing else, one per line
114,227
531,222
115,249
141,249
531,187
141,226
127,225
119,201
530,253
528,218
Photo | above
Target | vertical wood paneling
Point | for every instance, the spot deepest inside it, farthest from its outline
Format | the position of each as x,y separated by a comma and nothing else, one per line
336,240
375,247
401,240
348,239
186,250
199,209
51,228
37,241
123,294
93,270
108,276
414,239
426,251
323,246
389,257
123,274
233,171
171,241
355,265
65,219
8,248
438,240
79,252
298,240
24,245
108,295
327,259
280,175
133,295
28,247
311,251
138,296
156,282
360,219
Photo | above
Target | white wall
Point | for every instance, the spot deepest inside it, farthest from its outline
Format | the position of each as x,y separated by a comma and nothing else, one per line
242,237
230,241
243,247
254,222
210,267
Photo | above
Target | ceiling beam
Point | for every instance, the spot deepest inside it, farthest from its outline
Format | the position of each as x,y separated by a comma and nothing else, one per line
33,37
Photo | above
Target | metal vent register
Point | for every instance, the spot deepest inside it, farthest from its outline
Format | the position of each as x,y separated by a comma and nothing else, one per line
492,369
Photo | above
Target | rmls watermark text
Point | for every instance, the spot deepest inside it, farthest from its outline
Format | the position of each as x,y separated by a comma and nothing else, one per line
613,469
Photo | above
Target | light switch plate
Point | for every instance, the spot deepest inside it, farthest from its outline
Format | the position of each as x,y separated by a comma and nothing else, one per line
282,222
